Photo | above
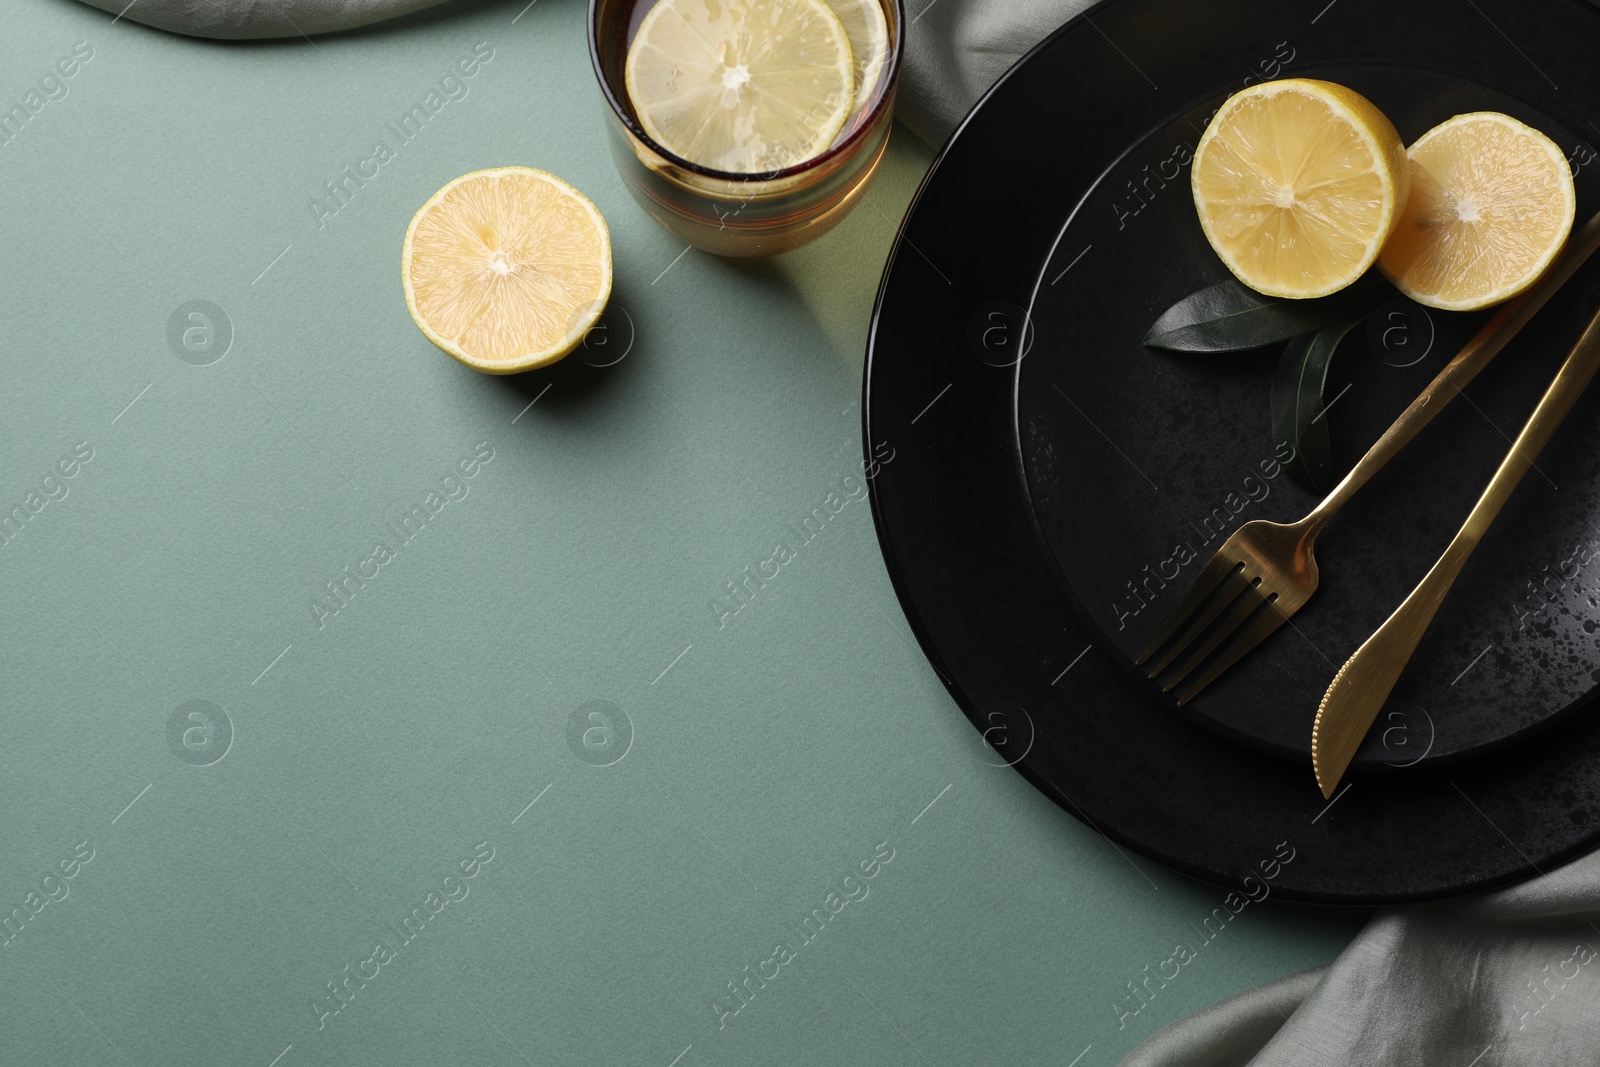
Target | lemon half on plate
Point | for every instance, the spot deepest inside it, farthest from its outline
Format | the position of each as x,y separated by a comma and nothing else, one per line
1298,184
507,269
1492,203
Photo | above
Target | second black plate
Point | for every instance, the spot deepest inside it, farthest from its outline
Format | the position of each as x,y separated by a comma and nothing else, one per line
1173,452
972,535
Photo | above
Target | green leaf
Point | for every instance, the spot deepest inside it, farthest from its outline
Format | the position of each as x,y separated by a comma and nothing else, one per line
1298,413
1231,317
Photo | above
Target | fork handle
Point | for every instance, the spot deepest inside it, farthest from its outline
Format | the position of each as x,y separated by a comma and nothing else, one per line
1365,681
1473,357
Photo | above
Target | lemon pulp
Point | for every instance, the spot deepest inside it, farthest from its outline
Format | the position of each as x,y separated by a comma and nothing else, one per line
1298,183
745,86
507,269
868,33
1491,205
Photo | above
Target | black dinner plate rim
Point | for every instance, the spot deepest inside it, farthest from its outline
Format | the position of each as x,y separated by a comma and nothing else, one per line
884,522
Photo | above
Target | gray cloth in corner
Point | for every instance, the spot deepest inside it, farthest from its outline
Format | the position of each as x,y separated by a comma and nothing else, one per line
232,20
1231,1031
955,49
1506,977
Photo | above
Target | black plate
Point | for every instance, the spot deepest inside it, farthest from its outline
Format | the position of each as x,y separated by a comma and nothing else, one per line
1172,453
1024,493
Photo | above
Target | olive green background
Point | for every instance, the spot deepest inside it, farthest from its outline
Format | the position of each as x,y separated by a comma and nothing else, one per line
768,756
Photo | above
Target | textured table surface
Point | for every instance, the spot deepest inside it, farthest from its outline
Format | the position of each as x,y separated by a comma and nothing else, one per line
520,786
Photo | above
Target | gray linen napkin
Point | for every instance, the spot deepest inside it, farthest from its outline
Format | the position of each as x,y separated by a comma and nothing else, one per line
243,19
1504,977
955,49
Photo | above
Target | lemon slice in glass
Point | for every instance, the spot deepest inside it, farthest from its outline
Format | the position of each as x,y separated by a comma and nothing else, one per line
507,269
1298,184
1491,206
745,86
868,33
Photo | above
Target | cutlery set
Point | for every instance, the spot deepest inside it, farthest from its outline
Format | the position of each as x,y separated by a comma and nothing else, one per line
1266,571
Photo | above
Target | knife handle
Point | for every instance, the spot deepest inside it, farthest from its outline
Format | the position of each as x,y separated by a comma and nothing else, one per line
1365,681
1447,385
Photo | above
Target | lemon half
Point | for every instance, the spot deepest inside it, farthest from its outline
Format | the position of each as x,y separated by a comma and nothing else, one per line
745,86
1298,184
1491,205
507,269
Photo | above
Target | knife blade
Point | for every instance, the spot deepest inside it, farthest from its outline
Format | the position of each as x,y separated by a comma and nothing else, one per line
1366,679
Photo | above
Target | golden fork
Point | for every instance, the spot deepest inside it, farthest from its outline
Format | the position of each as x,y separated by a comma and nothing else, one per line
1365,680
1265,572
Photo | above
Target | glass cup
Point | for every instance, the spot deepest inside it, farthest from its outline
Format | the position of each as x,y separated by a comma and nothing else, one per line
724,212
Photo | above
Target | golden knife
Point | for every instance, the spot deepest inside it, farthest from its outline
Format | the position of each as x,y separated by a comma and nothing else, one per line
1364,682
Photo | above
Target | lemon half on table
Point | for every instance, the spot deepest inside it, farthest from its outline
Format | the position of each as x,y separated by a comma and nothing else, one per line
507,269
1298,184
743,86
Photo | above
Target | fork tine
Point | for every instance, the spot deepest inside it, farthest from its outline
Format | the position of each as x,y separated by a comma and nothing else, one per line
1239,612
1258,630
1222,594
1216,572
